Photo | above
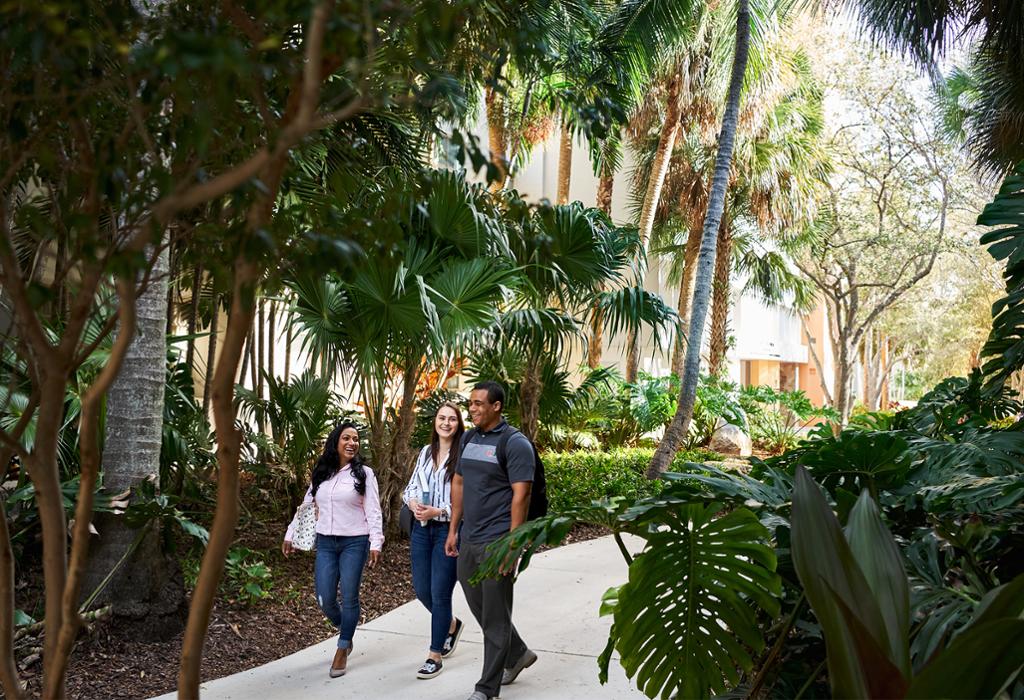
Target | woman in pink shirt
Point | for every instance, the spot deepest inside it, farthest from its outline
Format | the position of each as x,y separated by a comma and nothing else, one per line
349,531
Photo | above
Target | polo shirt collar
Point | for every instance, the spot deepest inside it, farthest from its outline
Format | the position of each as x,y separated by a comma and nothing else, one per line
500,427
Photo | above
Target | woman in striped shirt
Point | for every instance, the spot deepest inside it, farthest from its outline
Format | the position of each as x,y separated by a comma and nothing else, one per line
348,533
428,496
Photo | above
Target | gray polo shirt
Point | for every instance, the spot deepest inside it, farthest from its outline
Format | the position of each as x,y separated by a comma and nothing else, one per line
487,486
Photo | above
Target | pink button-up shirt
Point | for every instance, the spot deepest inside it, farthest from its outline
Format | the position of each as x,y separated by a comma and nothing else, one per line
343,511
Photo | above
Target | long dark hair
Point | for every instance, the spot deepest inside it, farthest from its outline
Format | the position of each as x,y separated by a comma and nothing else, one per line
329,462
435,441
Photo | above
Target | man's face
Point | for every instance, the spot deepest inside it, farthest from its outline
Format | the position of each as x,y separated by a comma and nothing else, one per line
482,412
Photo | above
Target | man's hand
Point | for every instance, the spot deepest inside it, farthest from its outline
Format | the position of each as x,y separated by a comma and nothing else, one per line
451,547
374,558
286,547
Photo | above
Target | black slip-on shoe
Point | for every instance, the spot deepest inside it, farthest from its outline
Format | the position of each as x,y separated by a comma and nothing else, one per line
429,669
452,640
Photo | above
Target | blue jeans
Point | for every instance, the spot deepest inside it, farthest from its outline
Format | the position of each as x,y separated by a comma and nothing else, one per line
340,559
433,576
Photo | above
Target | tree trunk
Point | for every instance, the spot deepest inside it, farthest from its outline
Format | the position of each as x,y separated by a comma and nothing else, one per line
193,317
261,359
9,679
229,439
211,354
811,342
720,303
529,399
287,349
497,137
147,588
662,158
841,381
684,301
868,358
886,369
564,165
45,474
680,425
254,365
605,187
172,282
396,472
595,343
273,339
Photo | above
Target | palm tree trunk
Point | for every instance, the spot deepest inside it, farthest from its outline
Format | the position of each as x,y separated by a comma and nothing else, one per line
720,303
595,344
172,282
131,454
529,398
273,337
254,367
497,137
652,196
605,187
211,354
287,349
680,425
193,317
683,303
261,357
564,165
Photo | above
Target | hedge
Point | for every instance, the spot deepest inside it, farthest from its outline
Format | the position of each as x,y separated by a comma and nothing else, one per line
575,478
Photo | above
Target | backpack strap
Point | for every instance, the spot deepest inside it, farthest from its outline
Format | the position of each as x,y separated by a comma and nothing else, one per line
502,451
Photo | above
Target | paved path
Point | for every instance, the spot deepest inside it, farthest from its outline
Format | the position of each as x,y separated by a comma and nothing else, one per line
557,601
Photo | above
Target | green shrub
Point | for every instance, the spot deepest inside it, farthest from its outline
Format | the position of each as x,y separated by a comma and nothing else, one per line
576,478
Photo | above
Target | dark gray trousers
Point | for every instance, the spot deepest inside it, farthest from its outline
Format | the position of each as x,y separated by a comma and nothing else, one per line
491,605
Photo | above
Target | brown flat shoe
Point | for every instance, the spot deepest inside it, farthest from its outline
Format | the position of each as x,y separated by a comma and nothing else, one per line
340,663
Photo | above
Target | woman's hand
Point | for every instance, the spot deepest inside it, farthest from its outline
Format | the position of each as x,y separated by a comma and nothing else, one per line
374,558
424,513
286,547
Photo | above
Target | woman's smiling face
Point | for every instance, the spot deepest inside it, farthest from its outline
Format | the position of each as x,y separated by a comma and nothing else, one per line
446,422
348,444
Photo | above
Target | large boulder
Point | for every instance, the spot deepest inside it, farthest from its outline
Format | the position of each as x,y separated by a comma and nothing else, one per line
729,439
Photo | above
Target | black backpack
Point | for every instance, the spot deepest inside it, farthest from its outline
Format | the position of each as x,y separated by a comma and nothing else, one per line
539,491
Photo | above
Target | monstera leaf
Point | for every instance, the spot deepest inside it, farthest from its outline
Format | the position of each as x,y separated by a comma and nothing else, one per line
858,460
685,622
1004,349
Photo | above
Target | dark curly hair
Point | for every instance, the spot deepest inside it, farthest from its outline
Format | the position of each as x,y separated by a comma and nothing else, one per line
329,462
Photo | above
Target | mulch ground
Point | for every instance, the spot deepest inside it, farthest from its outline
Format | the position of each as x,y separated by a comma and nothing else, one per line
106,664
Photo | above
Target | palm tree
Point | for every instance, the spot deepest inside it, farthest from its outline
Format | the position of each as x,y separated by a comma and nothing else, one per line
131,454
693,82
779,170
423,298
680,425
575,265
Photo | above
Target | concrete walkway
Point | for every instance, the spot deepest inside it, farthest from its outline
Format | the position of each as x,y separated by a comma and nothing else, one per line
556,612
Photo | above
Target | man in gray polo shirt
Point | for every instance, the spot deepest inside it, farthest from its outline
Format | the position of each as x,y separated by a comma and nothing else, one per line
492,498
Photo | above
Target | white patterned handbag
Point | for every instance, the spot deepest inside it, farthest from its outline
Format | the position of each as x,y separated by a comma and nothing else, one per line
304,534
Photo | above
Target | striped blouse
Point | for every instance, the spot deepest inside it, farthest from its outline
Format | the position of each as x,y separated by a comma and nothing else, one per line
426,478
